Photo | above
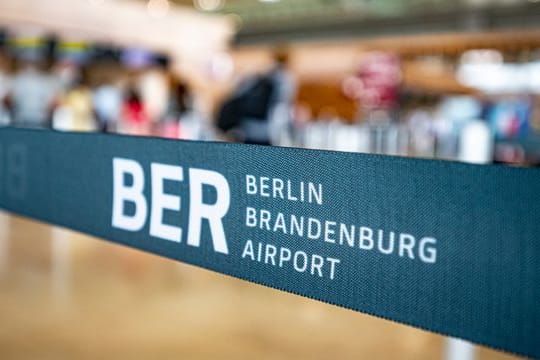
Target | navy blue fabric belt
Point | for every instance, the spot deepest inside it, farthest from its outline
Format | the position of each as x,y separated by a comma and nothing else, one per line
448,247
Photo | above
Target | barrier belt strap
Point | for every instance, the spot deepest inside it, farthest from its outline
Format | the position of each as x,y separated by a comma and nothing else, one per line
448,247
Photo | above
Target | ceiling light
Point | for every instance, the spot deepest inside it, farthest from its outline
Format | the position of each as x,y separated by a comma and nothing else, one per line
208,5
236,20
157,8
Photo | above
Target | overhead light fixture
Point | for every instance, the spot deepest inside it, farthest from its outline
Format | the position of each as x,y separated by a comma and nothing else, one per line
236,20
157,8
208,5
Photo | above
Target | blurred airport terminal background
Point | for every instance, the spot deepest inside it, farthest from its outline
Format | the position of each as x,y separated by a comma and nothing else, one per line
455,80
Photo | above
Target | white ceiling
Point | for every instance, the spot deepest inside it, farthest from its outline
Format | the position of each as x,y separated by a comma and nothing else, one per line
183,32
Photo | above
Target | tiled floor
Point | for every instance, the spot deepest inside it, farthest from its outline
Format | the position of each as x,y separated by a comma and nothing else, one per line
64,296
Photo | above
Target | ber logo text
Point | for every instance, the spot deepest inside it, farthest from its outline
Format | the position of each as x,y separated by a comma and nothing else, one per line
133,192
280,219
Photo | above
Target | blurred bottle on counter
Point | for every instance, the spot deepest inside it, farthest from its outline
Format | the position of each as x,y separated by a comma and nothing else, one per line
476,143
422,133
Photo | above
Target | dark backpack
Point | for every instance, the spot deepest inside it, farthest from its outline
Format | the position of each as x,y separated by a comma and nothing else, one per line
254,103
258,100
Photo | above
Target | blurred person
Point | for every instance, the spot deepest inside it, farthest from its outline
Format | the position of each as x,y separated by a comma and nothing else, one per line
5,82
153,85
33,95
66,73
281,127
77,102
259,110
107,102
134,116
184,118
179,107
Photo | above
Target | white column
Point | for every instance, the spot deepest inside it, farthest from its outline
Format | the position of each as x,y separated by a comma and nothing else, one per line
4,243
61,265
457,349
